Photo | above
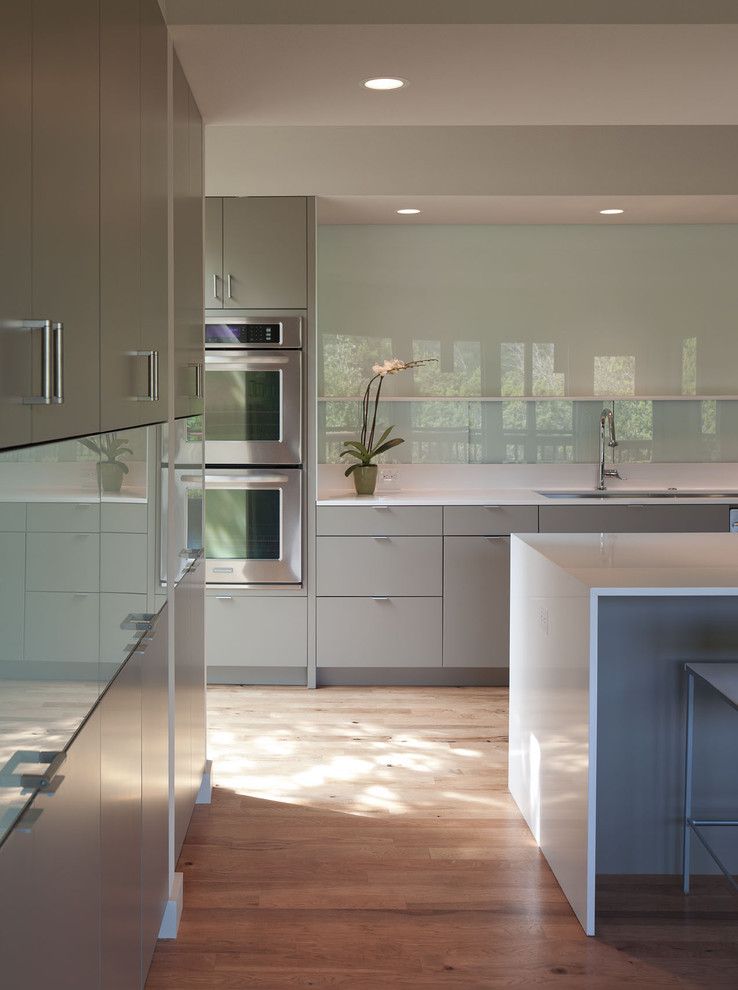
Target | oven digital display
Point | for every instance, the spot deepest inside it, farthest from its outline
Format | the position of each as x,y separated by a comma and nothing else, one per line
243,333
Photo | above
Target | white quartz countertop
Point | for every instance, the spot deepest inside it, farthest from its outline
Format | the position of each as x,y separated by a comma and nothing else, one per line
519,496
643,563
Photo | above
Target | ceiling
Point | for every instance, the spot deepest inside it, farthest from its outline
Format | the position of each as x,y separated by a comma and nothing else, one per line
461,74
527,209
450,11
506,116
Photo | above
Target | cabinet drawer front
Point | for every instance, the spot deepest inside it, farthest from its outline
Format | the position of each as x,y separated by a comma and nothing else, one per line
489,520
255,632
124,517
395,632
123,562
634,518
59,517
476,602
13,517
62,562
380,520
62,627
380,565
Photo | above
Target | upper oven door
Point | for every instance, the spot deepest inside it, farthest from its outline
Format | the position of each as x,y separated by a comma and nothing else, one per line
253,407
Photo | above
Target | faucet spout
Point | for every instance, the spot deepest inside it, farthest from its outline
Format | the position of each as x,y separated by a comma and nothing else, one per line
607,426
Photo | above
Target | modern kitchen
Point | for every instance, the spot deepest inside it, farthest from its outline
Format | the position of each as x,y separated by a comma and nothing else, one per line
368,495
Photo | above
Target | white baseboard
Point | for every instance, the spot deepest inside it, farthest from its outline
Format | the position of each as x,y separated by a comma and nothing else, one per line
205,794
173,910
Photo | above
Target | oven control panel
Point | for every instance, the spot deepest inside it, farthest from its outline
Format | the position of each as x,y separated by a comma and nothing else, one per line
241,330
243,333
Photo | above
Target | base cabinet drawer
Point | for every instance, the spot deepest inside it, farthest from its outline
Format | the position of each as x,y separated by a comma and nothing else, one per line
380,565
380,520
634,518
379,632
476,601
489,520
255,632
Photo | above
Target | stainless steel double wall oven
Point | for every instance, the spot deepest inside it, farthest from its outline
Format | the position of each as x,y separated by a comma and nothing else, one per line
254,448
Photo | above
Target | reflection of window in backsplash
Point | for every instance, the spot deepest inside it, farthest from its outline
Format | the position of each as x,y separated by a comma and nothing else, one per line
555,431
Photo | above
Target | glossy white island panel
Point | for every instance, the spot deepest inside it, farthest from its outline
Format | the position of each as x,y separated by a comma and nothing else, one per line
600,626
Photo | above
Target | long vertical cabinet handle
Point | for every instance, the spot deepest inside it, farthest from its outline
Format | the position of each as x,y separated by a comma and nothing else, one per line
57,390
216,294
152,375
52,359
197,365
230,286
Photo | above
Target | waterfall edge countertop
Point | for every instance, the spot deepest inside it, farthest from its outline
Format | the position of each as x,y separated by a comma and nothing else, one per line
600,628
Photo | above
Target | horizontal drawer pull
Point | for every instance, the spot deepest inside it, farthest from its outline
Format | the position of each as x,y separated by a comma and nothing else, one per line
381,598
381,539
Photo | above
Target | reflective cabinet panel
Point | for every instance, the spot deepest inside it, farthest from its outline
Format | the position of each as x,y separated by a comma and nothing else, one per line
79,542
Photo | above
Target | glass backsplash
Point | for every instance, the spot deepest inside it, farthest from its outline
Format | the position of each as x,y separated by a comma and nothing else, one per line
559,431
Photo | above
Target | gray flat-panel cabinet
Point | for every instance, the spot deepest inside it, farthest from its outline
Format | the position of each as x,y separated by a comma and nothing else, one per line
213,252
133,214
65,872
264,253
65,227
16,18
18,939
189,687
120,830
476,601
154,786
635,518
188,246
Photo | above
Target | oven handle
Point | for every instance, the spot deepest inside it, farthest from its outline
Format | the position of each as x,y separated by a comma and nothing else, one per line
233,480
239,363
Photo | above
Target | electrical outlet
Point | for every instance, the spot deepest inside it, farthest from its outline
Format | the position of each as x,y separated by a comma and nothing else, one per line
389,477
543,620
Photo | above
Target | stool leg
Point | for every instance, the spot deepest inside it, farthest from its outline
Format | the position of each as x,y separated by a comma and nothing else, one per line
688,783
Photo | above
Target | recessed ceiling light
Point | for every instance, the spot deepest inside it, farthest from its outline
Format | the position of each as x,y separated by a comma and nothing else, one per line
385,83
608,213
409,212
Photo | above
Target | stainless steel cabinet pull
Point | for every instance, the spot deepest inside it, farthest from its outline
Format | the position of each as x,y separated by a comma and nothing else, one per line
380,598
382,539
224,598
215,286
381,508
198,380
141,621
43,781
152,375
52,359
230,286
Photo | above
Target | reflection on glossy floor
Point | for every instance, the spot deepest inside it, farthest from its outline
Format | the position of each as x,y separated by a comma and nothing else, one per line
364,839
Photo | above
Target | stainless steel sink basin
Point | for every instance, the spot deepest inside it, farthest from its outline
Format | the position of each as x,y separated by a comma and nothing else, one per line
673,494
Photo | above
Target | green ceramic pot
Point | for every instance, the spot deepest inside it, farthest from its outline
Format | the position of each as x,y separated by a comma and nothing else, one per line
365,479
109,476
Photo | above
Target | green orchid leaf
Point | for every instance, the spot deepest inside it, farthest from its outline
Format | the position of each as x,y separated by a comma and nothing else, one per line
122,466
387,446
350,470
384,436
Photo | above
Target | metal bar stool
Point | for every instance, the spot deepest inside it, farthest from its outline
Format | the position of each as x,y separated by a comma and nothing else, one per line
723,679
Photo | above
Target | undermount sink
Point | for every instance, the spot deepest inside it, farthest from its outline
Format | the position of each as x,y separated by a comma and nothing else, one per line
637,495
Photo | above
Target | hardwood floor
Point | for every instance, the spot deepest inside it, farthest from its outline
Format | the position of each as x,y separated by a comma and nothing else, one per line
364,839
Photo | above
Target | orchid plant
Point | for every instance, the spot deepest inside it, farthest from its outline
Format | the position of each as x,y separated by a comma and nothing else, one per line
366,448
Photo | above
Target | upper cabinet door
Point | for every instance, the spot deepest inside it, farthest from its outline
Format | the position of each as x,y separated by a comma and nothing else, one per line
120,214
214,287
66,207
154,205
265,252
15,222
188,247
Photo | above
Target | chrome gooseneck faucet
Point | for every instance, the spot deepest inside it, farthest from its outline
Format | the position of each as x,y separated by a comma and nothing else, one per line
606,420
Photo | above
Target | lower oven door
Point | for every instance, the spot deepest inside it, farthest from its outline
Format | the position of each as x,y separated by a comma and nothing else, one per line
253,526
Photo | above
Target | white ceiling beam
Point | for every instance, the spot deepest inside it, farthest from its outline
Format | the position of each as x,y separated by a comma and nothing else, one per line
471,161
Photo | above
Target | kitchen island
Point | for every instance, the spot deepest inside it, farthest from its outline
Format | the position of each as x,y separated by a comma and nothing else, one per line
600,628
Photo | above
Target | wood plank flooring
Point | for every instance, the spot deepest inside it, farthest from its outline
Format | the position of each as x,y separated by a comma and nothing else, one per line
364,839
